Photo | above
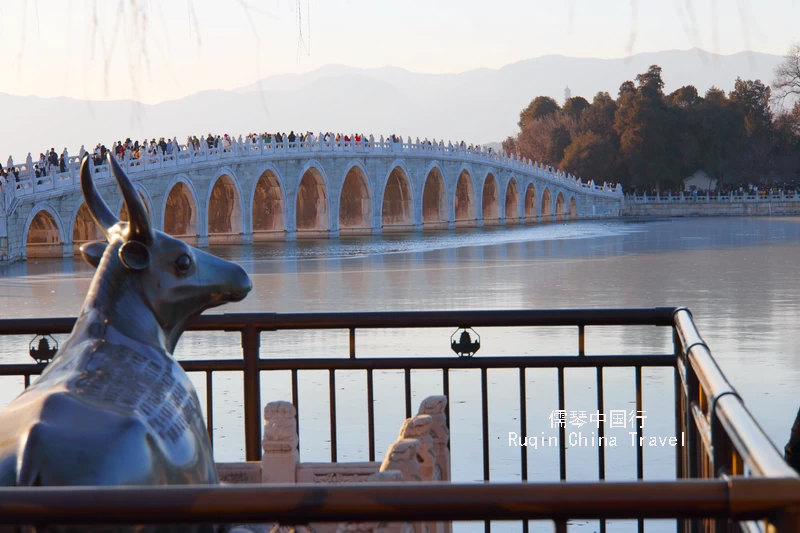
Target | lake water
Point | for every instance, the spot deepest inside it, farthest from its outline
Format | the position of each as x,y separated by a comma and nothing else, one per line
737,275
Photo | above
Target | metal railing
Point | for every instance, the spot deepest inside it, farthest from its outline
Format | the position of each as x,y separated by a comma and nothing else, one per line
717,198
745,475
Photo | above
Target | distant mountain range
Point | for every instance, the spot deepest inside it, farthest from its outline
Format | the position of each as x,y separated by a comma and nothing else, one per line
478,106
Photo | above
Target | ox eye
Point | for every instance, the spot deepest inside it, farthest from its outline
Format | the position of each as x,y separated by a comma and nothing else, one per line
184,263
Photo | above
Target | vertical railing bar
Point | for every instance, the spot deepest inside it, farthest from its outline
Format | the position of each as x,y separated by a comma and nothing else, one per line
693,441
371,414
446,392
251,343
352,343
485,421
601,429
523,430
296,400
694,444
637,421
679,406
487,525
408,391
562,450
332,389
523,424
680,451
210,407
27,380
581,340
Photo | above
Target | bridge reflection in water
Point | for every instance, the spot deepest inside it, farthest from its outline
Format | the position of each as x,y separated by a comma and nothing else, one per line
728,475
284,191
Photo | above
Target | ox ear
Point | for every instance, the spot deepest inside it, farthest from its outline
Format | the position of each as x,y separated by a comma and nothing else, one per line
134,255
92,252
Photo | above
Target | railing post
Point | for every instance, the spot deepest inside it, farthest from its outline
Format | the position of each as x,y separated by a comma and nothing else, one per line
787,520
251,342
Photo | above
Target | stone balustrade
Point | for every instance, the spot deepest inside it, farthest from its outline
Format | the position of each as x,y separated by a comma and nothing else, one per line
713,198
244,148
733,204
250,191
420,454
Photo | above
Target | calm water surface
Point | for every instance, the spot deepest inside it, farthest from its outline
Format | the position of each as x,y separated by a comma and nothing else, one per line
737,275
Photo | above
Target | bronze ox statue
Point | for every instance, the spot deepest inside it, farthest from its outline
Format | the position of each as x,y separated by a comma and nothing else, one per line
113,407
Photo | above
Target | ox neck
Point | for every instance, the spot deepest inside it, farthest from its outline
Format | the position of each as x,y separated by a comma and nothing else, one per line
115,298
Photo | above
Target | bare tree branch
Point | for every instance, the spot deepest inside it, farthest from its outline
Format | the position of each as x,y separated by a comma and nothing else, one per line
634,19
748,22
193,21
787,76
714,28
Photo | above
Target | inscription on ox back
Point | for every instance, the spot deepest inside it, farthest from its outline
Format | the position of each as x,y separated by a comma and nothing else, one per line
118,376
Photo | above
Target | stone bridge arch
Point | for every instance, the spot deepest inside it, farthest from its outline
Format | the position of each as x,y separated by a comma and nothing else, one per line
561,207
449,193
464,199
122,209
397,205
180,214
512,205
547,205
434,199
355,201
490,200
268,216
43,234
530,212
84,228
311,202
224,220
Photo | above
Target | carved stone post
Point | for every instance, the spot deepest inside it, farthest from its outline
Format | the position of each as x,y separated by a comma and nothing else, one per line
419,428
435,406
29,166
280,458
402,456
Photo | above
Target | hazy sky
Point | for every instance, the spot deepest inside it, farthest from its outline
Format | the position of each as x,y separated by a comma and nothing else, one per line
156,50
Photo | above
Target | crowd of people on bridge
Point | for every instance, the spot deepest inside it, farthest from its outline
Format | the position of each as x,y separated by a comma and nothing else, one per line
49,162
310,137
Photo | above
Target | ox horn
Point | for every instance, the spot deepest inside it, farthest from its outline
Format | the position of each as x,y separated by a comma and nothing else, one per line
138,221
100,212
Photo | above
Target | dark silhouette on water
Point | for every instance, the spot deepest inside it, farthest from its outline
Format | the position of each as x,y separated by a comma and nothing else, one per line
793,447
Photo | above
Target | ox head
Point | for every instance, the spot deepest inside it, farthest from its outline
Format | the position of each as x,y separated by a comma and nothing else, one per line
173,281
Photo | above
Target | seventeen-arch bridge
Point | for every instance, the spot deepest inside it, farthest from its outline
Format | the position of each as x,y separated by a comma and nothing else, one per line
249,192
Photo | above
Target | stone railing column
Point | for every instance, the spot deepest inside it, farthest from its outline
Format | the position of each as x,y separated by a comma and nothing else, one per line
419,428
402,456
280,458
434,406
28,167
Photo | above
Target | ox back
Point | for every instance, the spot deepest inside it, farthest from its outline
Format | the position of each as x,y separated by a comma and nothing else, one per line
114,408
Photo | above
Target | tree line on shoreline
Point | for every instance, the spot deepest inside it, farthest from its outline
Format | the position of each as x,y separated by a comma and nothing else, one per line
648,140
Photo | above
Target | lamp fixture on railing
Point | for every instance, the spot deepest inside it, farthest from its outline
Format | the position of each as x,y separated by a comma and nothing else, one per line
465,347
43,353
